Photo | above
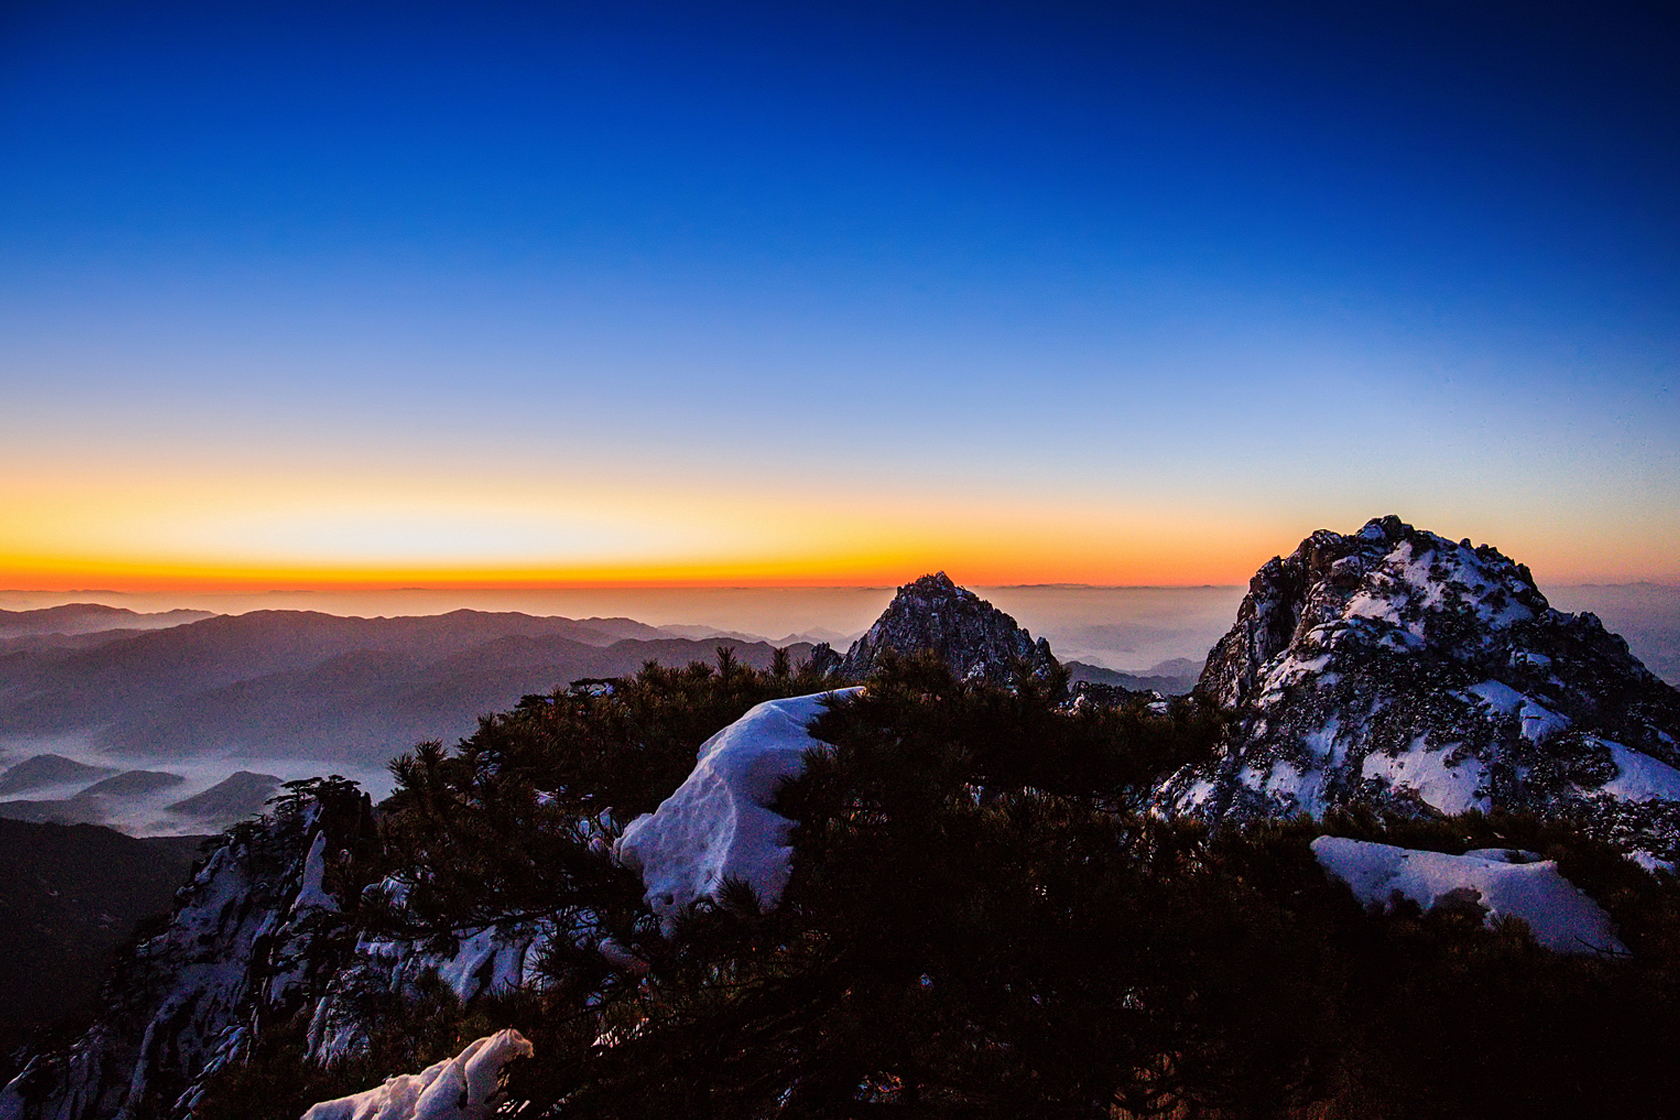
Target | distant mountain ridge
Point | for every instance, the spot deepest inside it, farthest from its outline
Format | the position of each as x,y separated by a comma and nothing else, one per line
110,798
1171,678
306,684
46,770
89,618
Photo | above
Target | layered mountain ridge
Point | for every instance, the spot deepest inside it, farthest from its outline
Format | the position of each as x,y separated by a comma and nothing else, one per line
342,693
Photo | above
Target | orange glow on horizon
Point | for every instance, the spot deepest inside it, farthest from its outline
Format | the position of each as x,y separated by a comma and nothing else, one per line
140,580
1165,558
888,568
1156,571
138,540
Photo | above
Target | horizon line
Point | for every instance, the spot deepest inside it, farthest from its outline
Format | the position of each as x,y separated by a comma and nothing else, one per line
373,589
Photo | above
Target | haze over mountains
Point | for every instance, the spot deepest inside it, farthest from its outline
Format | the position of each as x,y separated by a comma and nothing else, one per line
295,692
273,695
74,619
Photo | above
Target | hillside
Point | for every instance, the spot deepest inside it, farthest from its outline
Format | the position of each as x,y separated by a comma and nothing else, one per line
69,897
723,891
74,619
346,692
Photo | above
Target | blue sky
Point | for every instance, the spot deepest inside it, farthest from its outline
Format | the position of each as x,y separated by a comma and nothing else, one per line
1040,292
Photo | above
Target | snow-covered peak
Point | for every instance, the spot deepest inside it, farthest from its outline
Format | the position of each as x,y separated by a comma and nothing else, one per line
1388,582
1395,668
1422,578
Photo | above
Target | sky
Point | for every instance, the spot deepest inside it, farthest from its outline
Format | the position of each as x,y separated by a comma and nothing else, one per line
309,296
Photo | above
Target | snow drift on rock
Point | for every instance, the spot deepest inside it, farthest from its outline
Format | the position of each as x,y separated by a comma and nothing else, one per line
1498,882
458,1088
717,825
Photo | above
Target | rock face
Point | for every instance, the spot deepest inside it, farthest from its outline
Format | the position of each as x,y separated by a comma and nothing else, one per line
251,942
969,634
1395,668
261,938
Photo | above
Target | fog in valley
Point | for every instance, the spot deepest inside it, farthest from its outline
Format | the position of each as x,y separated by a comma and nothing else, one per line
169,706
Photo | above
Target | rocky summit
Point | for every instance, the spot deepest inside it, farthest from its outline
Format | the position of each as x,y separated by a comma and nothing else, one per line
974,638
1397,669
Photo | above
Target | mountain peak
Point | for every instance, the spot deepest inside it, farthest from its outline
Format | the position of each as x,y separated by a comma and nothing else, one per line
1397,668
965,631
1409,585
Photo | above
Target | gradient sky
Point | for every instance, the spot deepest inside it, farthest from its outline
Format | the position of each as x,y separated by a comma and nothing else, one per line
1116,294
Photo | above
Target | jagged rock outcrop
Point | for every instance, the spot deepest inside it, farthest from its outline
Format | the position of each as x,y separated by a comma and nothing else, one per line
264,935
824,661
252,940
1398,669
969,634
384,978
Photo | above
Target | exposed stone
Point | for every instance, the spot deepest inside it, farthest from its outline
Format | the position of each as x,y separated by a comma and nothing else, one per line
1395,668
252,940
974,638
825,661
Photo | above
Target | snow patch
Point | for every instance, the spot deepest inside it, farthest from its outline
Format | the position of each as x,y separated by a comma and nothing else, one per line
1322,743
1378,609
312,895
1499,696
717,826
1199,792
1286,782
487,962
1640,777
1282,778
1540,722
1290,670
1448,788
1562,917
458,1088
1408,583
1651,863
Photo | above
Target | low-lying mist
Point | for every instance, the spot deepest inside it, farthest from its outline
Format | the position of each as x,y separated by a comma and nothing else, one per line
348,709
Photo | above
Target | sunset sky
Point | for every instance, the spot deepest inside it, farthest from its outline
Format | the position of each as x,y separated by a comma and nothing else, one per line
499,294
